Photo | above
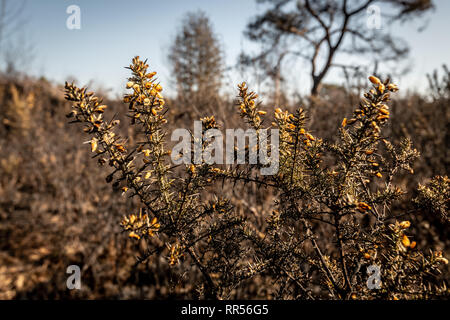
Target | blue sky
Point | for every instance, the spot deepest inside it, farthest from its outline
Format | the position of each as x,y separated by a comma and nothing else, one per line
112,32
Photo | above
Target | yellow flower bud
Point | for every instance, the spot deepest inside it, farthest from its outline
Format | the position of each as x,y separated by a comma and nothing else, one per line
93,144
405,224
392,87
374,80
146,152
158,87
132,234
384,112
405,241
363,207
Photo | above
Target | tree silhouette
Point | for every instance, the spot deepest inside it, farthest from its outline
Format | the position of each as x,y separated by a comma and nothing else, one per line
197,63
318,30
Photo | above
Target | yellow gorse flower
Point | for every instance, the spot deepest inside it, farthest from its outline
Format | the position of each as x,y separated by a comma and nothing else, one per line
405,224
363,207
374,80
140,225
405,241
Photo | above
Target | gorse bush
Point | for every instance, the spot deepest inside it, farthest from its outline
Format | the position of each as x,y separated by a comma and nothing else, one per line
341,190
